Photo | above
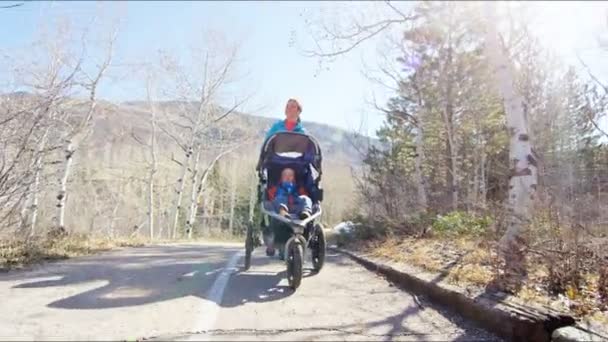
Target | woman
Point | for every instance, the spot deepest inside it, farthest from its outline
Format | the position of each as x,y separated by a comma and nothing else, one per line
291,123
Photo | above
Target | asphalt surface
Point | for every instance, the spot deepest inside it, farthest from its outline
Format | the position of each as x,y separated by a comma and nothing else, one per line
198,292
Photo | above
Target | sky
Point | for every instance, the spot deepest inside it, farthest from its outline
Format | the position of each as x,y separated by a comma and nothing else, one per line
276,70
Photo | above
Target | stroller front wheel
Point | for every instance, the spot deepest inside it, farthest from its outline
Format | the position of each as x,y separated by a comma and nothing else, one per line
295,256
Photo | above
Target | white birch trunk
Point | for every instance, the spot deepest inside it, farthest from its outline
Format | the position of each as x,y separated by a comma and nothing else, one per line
72,143
161,219
33,193
221,213
180,191
420,180
483,187
420,157
232,196
153,170
523,180
448,120
63,184
453,169
193,199
77,135
474,192
153,163
35,196
197,190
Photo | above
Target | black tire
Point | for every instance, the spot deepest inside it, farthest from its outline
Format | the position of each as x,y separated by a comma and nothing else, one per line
295,256
319,245
248,246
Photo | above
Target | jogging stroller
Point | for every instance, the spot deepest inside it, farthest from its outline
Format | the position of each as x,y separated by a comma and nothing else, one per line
301,153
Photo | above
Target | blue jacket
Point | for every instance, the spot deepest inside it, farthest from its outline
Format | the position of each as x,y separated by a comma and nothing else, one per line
279,126
285,189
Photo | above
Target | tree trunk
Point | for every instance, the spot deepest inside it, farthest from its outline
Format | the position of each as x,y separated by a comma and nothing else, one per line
483,182
161,217
180,191
232,197
523,180
35,196
420,180
63,184
193,200
448,119
474,192
197,190
153,170
419,159
36,184
220,194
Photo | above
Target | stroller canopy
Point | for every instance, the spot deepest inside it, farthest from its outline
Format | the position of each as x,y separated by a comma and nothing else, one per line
291,148
298,151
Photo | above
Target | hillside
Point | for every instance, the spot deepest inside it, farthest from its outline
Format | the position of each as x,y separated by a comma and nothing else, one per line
111,167
335,142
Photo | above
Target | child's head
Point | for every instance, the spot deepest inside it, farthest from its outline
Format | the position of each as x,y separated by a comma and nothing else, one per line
288,175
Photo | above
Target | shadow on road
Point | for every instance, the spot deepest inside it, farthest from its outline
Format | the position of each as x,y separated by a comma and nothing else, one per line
141,276
155,274
258,284
160,273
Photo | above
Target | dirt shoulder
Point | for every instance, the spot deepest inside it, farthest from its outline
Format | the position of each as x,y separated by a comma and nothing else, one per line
471,264
22,253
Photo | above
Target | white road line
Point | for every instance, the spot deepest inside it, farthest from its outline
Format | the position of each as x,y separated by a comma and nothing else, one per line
211,305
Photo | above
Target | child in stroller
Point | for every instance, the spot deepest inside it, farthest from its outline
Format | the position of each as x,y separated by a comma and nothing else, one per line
287,200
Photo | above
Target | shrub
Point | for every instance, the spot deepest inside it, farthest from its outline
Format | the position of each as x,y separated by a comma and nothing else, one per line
461,223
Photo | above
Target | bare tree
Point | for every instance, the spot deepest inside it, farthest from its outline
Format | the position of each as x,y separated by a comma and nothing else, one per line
76,132
523,178
151,148
199,186
14,159
198,117
50,83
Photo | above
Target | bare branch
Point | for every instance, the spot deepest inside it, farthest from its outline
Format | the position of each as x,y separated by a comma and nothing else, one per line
136,138
398,11
13,5
176,161
397,114
175,138
363,34
231,110
593,77
604,87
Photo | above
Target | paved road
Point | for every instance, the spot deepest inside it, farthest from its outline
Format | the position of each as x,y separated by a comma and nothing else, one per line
196,292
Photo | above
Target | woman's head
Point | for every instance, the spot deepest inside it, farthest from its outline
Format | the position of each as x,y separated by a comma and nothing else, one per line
293,108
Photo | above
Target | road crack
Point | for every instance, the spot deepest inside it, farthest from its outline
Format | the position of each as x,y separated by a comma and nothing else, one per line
268,332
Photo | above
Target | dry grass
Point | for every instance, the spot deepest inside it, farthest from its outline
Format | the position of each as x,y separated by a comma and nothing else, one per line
462,261
470,262
16,254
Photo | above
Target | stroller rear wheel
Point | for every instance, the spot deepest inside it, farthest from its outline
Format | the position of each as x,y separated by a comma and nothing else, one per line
249,245
318,245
